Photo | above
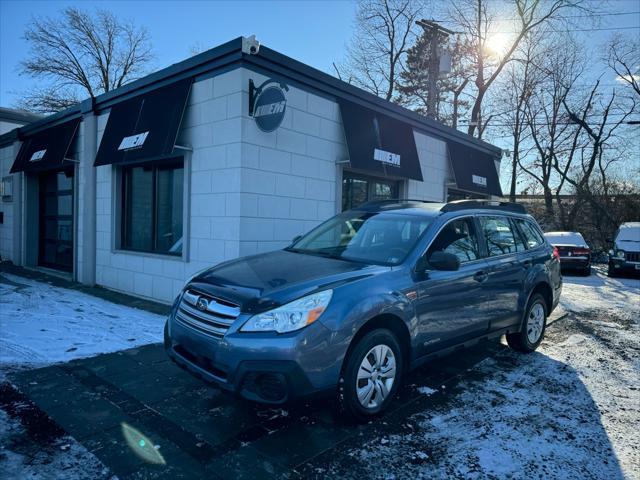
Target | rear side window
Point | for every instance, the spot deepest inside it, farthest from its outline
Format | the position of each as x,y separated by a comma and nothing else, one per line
531,234
499,235
459,238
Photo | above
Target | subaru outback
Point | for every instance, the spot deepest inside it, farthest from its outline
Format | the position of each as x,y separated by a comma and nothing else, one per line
352,306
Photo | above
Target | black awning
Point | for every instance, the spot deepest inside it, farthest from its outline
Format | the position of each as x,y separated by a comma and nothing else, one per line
144,127
474,171
378,143
46,149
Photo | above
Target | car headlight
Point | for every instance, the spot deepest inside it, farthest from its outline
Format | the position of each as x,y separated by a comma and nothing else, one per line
292,316
620,254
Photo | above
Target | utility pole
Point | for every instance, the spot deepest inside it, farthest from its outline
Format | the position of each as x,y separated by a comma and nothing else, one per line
435,33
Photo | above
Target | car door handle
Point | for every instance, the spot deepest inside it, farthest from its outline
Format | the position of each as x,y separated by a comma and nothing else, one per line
480,276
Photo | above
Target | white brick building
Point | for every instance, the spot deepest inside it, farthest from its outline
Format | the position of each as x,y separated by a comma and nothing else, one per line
213,185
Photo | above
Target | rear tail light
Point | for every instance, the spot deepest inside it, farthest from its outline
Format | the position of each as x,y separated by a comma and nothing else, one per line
556,253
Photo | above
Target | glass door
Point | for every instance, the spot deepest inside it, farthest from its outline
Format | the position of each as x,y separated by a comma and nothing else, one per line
358,189
56,220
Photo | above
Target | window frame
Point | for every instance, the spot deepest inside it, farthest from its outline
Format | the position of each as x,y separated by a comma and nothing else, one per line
121,205
481,244
541,238
508,218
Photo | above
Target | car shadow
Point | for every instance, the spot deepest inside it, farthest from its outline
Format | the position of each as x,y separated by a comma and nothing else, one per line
485,410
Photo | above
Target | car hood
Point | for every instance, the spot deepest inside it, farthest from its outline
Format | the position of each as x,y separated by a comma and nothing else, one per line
628,245
261,282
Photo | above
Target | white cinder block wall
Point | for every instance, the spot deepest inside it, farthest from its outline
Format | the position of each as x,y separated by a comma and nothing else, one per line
288,180
6,228
436,171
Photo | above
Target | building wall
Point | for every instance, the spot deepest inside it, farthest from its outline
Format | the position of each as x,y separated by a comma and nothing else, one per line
289,177
247,191
436,171
6,126
6,228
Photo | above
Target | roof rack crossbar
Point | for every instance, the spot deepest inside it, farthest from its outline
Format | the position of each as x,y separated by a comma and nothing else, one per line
484,204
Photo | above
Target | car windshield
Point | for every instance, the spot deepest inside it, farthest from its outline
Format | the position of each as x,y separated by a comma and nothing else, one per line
565,238
628,234
382,238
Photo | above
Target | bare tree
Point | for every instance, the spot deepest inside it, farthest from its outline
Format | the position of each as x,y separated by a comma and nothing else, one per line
553,72
624,59
477,22
80,54
385,29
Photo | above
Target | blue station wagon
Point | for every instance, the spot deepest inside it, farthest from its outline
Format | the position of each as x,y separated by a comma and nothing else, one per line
352,306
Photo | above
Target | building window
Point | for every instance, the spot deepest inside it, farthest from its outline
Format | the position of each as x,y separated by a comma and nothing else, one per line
152,206
359,189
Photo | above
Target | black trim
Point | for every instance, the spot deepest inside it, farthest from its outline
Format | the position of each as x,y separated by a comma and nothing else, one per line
54,142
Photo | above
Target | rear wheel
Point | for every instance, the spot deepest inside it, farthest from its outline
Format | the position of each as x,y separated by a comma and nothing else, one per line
371,375
533,326
587,271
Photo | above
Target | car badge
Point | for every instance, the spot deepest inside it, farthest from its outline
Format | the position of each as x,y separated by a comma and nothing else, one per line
202,304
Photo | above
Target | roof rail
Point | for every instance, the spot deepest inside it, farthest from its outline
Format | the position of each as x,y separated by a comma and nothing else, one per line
484,204
386,201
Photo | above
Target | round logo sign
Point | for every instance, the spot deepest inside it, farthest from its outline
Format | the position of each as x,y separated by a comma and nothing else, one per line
269,109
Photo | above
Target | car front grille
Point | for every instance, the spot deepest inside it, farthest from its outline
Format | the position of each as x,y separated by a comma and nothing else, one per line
632,256
207,314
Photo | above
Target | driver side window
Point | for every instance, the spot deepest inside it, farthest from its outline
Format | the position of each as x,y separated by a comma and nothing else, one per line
458,238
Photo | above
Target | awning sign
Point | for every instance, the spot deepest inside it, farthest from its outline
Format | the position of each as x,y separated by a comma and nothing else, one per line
39,155
133,141
478,180
386,157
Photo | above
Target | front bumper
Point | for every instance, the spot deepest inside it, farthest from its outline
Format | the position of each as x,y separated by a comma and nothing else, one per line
621,265
262,367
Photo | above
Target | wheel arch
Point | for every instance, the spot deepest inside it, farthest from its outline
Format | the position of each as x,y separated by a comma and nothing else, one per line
544,289
387,321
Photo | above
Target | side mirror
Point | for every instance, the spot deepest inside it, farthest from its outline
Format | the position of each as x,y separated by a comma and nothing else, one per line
444,261
296,238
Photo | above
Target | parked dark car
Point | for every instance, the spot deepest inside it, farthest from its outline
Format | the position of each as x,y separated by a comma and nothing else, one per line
575,253
624,257
352,306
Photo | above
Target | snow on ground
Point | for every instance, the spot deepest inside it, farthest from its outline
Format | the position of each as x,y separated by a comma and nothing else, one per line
62,458
569,410
599,291
41,324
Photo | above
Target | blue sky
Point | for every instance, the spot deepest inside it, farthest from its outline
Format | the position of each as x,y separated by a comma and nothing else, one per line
314,32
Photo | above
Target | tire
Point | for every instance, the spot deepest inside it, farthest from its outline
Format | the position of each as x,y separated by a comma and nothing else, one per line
533,327
611,271
374,401
587,272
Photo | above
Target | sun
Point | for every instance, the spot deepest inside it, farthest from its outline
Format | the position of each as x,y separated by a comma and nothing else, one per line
497,44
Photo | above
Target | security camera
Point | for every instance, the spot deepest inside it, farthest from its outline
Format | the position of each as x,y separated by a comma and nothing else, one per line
250,45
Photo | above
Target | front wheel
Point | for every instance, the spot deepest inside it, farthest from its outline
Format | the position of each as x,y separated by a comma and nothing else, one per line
371,375
533,326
